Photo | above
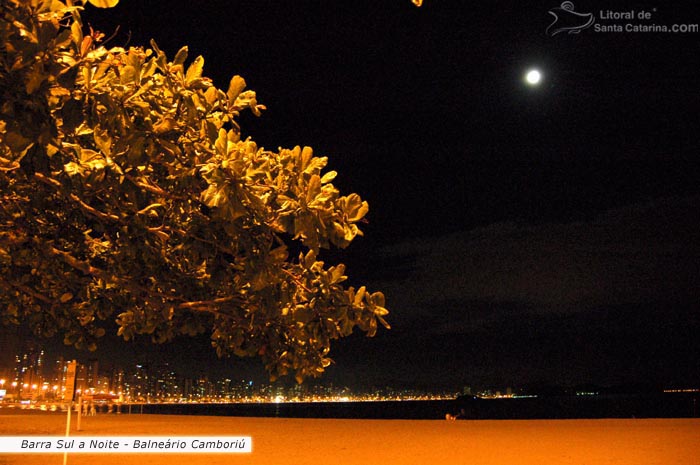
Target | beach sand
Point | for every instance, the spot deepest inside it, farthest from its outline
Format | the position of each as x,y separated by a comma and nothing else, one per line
371,442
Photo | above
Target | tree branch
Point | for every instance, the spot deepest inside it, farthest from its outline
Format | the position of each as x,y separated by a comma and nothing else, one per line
87,208
152,188
28,290
197,305
296,279
201,305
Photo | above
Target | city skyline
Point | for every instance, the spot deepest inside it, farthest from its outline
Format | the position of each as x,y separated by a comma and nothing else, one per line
37,377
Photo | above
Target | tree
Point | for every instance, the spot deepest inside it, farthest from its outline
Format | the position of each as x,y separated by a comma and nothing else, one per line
128,193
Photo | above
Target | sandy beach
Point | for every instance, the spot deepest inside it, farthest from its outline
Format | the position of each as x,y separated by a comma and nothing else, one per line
367,442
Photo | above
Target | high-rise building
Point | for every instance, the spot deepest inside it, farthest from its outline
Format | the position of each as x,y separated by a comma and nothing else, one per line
117,380
81,378
139,386
167,383
59,377
28,371
92,373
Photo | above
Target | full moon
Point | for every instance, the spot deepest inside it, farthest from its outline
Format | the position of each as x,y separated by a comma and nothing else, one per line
533,77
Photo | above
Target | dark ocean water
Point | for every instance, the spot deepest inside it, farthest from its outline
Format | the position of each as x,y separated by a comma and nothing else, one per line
560,407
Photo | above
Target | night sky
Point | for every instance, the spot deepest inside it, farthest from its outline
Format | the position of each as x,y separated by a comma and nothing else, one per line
522,234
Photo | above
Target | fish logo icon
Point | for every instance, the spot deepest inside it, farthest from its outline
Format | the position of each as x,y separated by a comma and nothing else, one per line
567,20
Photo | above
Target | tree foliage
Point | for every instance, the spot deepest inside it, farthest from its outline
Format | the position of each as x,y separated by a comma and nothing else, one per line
128,193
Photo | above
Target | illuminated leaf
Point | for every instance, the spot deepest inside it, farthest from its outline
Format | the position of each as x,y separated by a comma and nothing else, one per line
194,71
104,3
72,168
314,188
34,80
360,295
235,87
328,177
181,56
355,208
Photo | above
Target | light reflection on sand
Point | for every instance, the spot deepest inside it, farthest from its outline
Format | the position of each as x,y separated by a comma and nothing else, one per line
395,442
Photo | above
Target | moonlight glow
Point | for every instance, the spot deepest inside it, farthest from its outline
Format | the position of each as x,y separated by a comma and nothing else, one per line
533,77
